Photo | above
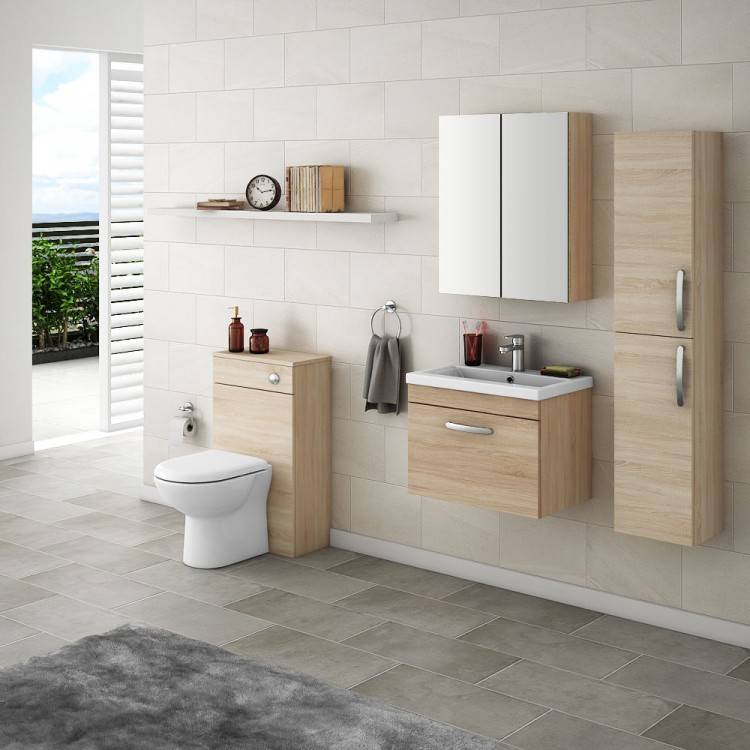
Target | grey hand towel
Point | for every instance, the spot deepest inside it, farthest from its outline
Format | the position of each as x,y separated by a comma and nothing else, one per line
382,375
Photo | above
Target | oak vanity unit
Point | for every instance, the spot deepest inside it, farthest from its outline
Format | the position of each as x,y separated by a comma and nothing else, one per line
668,271
527,452
277,406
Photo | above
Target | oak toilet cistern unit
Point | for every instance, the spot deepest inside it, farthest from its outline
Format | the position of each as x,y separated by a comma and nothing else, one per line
668,340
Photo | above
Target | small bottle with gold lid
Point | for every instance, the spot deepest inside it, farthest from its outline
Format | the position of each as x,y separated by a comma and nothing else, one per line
236,332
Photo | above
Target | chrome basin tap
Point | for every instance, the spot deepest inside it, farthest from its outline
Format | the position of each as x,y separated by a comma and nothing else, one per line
516,347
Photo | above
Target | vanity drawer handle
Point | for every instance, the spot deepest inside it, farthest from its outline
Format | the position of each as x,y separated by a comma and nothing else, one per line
679,301
469,428
274,378
679,376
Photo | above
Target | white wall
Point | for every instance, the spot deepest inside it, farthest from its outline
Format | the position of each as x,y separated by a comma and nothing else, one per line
112,25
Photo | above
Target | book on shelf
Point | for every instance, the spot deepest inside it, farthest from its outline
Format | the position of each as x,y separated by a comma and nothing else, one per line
221,204
315,188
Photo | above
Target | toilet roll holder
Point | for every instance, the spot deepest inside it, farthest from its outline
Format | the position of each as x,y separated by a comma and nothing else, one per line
187,409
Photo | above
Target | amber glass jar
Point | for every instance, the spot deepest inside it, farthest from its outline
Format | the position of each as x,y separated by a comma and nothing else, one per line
258,341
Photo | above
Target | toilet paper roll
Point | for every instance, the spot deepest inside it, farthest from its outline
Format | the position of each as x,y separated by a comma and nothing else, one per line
180,428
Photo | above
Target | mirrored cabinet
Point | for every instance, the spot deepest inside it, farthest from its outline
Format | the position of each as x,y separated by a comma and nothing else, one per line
515,206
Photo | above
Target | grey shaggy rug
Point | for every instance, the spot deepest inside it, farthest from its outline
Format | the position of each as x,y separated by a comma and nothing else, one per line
143,688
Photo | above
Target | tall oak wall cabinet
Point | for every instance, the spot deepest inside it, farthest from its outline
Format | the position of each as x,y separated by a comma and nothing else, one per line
668,340
515,205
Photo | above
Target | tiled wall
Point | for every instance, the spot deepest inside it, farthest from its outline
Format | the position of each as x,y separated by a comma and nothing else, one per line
236,88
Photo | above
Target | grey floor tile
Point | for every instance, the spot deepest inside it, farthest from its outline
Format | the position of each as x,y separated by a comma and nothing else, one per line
119,505
451,701
560,732
48,487
306,615
404,577
416,611
103,555
205,585
172,520
192,618
742,672
114,529
19,562
36,645
10,472
299,579
93,586
15,593
45,511
675,682
530,609
32,534
693,729
340,665
65,618
170,546
326,558
581,696
549,647
690,650
446,656
11,631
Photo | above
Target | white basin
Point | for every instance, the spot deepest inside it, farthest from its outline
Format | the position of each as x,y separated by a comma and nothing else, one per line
499,381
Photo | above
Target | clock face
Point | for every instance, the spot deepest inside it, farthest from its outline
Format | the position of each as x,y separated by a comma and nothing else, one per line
263,192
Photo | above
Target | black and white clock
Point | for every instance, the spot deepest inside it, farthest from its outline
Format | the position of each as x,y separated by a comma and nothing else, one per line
263,192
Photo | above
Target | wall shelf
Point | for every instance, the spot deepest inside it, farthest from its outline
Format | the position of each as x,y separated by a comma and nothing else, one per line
382,217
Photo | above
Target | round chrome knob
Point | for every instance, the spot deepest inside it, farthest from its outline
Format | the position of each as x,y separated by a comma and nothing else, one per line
274,378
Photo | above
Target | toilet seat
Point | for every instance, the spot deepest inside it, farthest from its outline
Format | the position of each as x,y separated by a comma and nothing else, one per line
208,466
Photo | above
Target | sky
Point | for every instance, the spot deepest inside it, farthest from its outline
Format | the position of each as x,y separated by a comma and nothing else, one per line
65,122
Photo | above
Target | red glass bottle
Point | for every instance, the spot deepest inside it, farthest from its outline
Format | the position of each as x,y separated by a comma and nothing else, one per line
236,333
258,341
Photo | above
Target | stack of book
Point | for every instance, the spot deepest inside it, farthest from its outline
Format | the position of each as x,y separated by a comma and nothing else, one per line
316,189
221,204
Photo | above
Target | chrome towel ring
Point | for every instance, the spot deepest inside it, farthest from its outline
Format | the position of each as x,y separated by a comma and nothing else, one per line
388,307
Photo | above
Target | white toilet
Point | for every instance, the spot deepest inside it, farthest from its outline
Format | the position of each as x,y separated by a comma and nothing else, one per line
223,496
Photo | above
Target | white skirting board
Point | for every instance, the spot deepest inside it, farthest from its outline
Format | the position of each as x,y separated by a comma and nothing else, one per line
16,450
558,591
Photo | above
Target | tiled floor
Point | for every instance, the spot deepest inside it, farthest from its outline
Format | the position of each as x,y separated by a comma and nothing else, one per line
65,398
80,554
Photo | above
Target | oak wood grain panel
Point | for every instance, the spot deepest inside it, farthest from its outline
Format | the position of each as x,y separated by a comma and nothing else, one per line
498,471
283,357
580,157
252,374
312,456
653,231
565,451
260,423
653,439
479,402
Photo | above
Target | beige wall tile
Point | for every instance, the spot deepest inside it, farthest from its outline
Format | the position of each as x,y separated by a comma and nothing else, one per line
736,440
496,335
359,449
673,98
416,228
460,47
714,31
198,66
461,530
396,456
155,363
385,511
397,11
603,232
224,116
343,333
600,309
376,278
551,313
543,41
196,167
737,306
599,509
603,427
168,228
715,582
227,19
385,167
191,369
284,113
212,318
430,341
160,407
169,21
351,111
741,96
508,93
633,35
255,62
741,237
429,176
341,502
343,13
196,268
385,53
594,349
315,57
456,305
156,161
340,388
317,152
603,168
169,118
290,234
634,567
156,275
275,16
169,316
741,504
604,93
156,69
737,166
412,108
550,547
317,277
725,538
255,272
245,160
290,326
224,232
741,377
483,7
155,450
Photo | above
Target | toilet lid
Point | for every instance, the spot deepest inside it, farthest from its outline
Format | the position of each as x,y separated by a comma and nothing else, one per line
208,466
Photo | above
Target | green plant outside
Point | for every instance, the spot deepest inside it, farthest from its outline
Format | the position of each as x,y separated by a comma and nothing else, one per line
65,295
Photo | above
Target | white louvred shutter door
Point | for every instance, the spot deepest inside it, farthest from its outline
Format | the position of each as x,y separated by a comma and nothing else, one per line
121,242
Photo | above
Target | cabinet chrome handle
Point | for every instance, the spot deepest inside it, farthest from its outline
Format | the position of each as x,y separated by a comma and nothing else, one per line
469,428
679,301
680,375
274,378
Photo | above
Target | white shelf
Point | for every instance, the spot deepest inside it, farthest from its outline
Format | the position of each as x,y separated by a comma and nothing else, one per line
383,217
